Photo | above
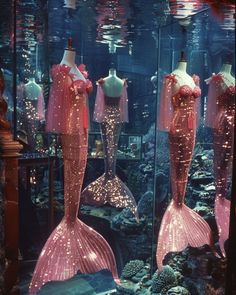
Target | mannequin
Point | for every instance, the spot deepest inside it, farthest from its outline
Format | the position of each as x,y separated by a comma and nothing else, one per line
110,111
69,60
182,75
225,71
73,246
34,92
178,116
31,101
32,89
112,85
220,116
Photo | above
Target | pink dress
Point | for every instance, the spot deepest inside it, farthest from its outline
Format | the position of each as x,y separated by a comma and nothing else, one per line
220,116
73,246
178,116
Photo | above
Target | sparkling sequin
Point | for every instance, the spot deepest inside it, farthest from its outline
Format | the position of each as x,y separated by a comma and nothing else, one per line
73,246
179,221
221,117
108,188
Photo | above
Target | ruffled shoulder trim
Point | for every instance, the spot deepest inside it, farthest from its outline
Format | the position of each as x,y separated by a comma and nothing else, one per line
171,78
215,78
56,69
82,69
100,82
196,79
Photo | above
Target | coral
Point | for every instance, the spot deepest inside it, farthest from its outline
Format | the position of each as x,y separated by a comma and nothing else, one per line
178,291
124,291
125,222
131,268
145,204
136,179
163,281
203,210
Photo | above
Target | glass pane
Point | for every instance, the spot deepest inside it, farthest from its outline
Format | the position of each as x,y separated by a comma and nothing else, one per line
197,169
126,167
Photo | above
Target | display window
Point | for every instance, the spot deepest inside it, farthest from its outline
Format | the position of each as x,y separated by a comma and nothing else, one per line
117,132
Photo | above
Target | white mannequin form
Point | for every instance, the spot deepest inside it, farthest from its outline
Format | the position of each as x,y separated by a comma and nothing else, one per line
225,71
183,78
112,86
69,60
32,89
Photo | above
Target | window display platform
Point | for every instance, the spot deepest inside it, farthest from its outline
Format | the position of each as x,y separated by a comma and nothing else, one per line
100,283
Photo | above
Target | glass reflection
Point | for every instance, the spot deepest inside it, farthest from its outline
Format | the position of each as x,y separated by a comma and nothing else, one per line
112,23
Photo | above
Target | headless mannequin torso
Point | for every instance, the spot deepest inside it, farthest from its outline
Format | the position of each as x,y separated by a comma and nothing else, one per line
112,86
32,89
69,60
220,116
182,76
225,71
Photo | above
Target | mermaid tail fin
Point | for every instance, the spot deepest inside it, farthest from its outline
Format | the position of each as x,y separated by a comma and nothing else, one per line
181,227
222,214
72,247
109,190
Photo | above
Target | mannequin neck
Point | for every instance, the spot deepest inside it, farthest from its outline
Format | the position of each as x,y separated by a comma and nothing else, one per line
68,58
182,66
226,68
31,79
112,72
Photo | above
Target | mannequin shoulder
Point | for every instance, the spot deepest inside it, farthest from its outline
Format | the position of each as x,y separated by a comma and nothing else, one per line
228,79
183,78
113,80
113,86
216,80
170,78
100,82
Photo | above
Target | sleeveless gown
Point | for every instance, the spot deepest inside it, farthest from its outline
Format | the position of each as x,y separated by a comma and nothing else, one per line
221,117
178,116
110,112
73,246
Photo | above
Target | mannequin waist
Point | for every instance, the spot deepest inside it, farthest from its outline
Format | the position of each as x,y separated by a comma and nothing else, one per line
111,101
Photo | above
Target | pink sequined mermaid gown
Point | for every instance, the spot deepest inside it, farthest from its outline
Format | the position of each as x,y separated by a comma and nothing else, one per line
180,226
73,246
110,112
221,117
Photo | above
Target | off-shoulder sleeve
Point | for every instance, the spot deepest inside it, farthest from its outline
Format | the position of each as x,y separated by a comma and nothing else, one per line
41,107
166,109
98,114
198,103
214,91
89,86
59,104
124,104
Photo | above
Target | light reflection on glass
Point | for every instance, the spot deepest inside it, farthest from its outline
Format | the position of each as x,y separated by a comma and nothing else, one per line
112,23
181,9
